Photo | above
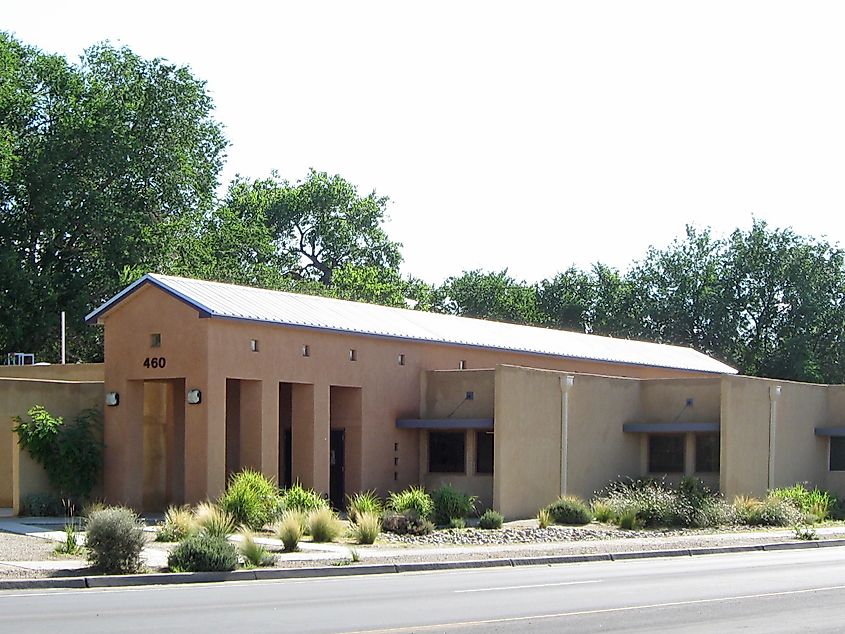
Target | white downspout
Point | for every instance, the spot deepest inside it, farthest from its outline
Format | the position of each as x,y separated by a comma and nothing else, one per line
566,383
774,395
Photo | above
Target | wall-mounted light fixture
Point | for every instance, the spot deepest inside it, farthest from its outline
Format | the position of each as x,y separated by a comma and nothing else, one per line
194,397
112,399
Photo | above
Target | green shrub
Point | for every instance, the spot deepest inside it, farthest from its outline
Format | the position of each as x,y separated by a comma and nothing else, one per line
324,525
774,511
70,453
414,499
816,502
367,528
203,552
179,523
213,520
449,504
298,498
254,554
406,523
570,510
363,502
457,522
289,530
114,539
42,505
544,518
251,499
602,511
491,519
93,506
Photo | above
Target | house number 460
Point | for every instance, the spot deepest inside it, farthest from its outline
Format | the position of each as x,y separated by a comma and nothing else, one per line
155,362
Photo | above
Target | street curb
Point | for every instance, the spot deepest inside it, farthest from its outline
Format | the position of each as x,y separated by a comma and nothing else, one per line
265,574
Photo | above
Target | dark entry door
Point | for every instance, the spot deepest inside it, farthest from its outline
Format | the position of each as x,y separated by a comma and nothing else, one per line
337,455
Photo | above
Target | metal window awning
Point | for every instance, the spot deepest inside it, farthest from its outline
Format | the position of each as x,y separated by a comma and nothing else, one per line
445,423
830,431
670,428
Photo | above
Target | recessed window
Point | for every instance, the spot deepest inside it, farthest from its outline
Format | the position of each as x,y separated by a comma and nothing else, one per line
666,453
462,365
353,354
837,453
400,359
155,340
253,345
484,452
707,453
306,351
446,452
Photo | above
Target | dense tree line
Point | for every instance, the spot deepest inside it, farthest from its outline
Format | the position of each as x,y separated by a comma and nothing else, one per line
108,169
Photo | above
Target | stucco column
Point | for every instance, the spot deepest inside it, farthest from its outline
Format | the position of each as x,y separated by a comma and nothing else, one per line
310,431
566,383
774,396
215,440
270,431
196,438
320,432
123,435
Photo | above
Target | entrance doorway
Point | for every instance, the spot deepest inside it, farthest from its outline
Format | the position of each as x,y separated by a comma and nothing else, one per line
163,474
337,468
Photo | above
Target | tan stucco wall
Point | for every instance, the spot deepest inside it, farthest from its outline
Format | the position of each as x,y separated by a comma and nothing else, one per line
208,351
19,474
67,372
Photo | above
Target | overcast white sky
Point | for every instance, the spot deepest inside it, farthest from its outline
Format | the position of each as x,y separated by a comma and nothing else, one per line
526,135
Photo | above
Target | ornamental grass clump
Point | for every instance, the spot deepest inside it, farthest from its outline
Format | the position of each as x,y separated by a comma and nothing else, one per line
451,504
544,518
114,539
415,499
324,525
570,510
251,499
602,511
366,530
213,520
289,531
203,552
179,523
491,520
298,498
363,502
254,554
816,504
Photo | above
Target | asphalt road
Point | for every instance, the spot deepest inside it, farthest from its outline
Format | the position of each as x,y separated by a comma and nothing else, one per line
785,591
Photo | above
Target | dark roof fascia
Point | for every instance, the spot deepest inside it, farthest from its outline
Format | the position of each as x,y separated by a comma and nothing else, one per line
669,428
830,431
445,423
94,316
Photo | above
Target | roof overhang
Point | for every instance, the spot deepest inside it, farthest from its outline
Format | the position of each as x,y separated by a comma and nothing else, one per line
830,431
670,428
445,423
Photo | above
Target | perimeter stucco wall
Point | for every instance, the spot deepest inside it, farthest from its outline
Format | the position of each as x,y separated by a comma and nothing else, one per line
799,455
207,351
19,474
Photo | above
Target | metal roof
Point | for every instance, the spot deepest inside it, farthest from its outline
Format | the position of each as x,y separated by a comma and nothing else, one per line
213,299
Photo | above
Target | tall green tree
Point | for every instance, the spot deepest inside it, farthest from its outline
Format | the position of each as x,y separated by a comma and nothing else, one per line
97,160
494,295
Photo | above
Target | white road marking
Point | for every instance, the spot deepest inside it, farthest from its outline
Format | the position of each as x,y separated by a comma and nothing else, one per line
626,608
536,585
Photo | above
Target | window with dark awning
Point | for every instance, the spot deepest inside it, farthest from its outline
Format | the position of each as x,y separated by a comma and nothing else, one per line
445,423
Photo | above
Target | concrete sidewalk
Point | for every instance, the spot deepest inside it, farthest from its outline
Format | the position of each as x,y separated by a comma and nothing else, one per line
382,558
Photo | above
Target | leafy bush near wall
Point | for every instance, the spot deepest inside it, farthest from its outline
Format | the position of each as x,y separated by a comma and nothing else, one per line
203,553
42,505
251,499
407,522
570,510
414,499
70,453
298,498
451,504
818,503
491,519
363,502
114,539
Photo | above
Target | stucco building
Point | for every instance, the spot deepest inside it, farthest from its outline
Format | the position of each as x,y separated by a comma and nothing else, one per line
202,379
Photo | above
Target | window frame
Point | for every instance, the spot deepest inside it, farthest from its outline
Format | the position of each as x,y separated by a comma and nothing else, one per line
435,438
